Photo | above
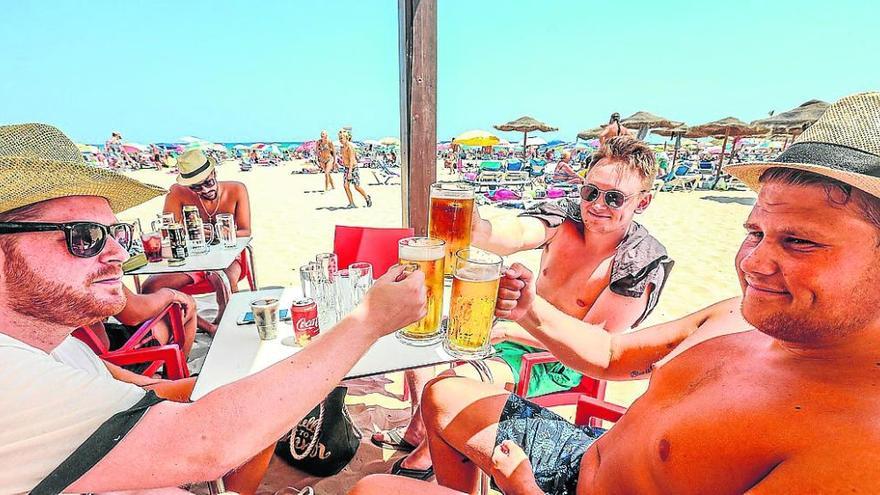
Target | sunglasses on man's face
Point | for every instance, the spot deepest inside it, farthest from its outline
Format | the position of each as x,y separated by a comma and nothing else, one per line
613,198
84,239
207,184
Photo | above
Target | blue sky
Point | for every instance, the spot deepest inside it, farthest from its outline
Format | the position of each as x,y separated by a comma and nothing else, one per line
283,70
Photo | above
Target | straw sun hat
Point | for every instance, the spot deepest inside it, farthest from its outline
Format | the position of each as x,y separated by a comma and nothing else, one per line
844,144
194,167
38,162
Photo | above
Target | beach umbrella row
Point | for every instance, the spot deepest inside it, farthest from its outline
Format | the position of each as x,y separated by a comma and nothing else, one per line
525,125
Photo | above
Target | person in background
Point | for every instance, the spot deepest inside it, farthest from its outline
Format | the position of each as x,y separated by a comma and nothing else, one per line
352,174
325,154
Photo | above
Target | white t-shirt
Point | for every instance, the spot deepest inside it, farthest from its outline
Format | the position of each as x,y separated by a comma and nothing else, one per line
49,408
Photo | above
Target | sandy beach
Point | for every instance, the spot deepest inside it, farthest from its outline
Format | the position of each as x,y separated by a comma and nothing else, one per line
292,221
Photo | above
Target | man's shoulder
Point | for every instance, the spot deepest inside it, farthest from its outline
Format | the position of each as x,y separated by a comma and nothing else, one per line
234,186
177,191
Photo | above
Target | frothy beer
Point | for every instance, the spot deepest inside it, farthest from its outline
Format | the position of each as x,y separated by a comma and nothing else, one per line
450,218
472,308
429,255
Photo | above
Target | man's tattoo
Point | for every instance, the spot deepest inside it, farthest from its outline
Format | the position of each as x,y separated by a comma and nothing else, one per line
645,371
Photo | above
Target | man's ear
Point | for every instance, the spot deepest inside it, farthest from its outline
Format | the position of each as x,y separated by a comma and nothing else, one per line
644,202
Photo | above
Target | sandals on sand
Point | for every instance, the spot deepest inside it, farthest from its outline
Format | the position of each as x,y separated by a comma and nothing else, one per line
392,439
417,474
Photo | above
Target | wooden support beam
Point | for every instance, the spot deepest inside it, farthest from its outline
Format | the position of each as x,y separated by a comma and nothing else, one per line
418,109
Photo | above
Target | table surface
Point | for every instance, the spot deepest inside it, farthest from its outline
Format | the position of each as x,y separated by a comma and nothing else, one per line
237,350
217,258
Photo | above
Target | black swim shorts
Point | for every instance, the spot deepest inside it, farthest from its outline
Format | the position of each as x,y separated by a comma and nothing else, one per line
553,445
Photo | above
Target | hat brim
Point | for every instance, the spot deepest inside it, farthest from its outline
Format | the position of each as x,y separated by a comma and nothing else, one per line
28,180
200,177
750,175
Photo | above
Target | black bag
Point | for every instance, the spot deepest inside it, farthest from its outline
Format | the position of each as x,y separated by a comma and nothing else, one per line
323,442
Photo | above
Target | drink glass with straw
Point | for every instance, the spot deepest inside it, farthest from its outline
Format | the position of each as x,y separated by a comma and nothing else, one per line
429,256
450,218
472,307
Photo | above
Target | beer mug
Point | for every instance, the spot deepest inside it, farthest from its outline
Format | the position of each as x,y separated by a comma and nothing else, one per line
161,221
450,218
199,242
226,230
472,308
429,254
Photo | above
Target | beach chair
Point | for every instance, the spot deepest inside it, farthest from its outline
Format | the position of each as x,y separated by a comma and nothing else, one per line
514,166
517,180
536,167
682,178
169,357
589,387
490,166
374,245
383,175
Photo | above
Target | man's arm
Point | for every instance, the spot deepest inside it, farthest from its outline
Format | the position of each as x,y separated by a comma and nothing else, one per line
588,347
172,205
505,236
231,424
141,307
242,211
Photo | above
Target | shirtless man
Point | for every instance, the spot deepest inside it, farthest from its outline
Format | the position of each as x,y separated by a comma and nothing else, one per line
789,407
326,156
352,174
197,185
616,281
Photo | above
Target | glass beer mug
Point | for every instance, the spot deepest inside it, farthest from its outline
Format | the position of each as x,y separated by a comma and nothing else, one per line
472,306
429,254
450,218
201,236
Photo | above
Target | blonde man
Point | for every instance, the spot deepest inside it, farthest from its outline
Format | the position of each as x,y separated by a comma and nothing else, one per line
352,175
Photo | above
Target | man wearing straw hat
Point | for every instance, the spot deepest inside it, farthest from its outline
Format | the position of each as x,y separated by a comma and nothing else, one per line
197,185
789,406
68,422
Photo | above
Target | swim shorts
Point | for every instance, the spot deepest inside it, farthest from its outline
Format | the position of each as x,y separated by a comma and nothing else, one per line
199,277
553,445
353,177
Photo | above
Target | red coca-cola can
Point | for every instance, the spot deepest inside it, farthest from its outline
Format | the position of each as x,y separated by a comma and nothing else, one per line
304,316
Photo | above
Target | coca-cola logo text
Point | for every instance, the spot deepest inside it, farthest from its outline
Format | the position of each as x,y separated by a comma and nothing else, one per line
307,324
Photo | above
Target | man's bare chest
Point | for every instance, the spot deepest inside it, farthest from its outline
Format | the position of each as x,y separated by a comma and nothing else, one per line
571,277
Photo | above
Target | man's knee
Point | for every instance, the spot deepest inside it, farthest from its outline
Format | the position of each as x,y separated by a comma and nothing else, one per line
439,392
373,484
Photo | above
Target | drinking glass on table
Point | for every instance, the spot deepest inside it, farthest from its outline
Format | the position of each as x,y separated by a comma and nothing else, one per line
323,291
472,307
344,293
450,217
429,255
152,246
304,276
361,280
329,263
226,230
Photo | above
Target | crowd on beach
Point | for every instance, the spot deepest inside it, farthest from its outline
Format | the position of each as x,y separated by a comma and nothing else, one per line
769,392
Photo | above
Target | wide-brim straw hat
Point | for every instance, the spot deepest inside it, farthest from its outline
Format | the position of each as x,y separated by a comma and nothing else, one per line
844,144
38,163
194,167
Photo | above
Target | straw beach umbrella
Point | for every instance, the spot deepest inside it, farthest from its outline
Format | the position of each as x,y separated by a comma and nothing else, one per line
590,133
525,125
677,133
644,121
794,121
727,127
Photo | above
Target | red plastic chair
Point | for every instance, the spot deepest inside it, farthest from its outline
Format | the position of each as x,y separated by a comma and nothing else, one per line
205,287
589,387
132,352
374,245
592,411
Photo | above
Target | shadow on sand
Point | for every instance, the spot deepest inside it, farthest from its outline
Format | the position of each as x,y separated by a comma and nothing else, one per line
730,199
334,208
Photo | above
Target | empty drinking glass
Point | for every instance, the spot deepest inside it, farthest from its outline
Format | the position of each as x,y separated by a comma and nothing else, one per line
361,280
329,265
323,291
226,230
344,293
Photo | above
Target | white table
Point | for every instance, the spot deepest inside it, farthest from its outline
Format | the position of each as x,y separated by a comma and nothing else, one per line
237,350
215,260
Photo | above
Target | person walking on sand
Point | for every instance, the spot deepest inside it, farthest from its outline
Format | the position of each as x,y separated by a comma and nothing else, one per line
326,156
352,175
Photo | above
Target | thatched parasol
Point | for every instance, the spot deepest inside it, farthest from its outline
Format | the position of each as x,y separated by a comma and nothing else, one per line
794,119
681,131
727,127
643,121
525,125
591,133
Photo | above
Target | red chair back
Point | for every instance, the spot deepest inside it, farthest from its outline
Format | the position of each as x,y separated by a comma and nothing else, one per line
374,245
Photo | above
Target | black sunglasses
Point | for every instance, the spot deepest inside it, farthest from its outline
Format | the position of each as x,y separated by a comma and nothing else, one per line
84,239
207,183
613,198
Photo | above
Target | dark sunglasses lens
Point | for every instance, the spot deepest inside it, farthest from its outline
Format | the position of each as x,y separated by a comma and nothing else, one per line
122,233
86,240
590,193
614,199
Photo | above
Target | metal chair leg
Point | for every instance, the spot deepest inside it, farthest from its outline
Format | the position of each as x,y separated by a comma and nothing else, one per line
252,278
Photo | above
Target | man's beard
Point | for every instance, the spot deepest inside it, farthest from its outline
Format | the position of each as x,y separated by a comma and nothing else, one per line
210,195
45,300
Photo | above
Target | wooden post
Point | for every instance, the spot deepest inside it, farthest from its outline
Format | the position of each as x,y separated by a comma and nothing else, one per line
720,160
418,109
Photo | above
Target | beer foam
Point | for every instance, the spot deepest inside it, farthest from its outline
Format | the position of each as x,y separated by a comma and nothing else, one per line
475,273
421,249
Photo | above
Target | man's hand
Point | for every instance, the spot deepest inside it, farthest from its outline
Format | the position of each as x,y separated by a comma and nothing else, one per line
187,303
512,470
396,299
516,293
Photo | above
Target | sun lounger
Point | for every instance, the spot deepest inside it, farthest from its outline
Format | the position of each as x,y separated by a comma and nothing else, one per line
383,175
681,177
490,166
